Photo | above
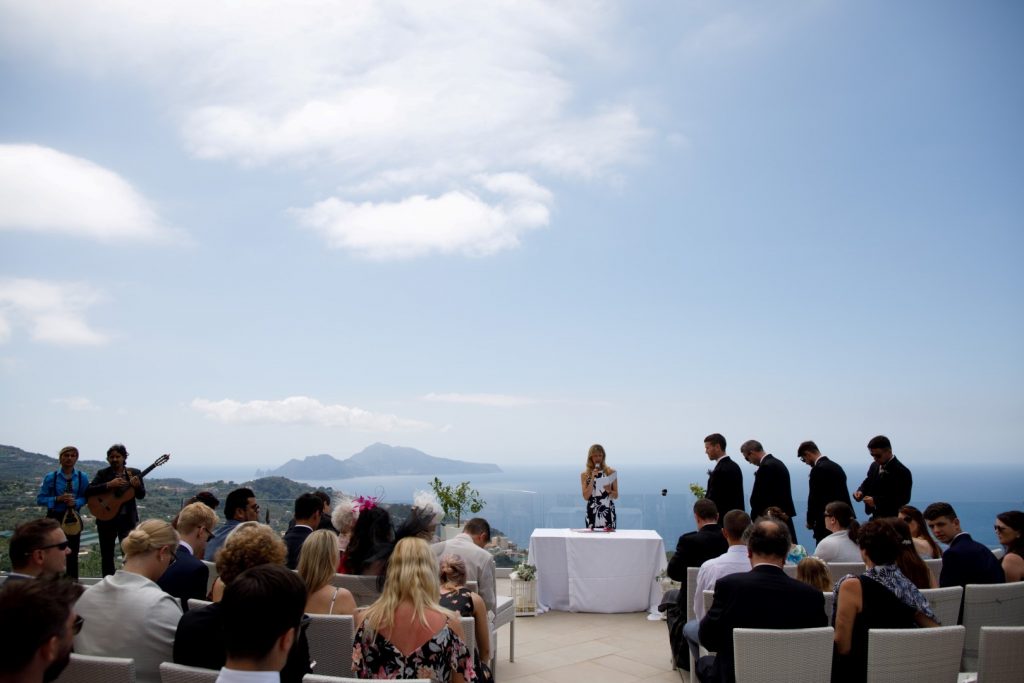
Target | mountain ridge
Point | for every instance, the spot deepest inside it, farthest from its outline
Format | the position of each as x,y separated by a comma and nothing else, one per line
378,459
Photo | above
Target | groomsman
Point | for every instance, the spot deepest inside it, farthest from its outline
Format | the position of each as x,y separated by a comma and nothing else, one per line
827,484
888,484
725,481
771,484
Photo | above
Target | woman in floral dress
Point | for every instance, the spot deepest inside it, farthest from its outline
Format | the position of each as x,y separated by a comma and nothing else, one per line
406,633
600,503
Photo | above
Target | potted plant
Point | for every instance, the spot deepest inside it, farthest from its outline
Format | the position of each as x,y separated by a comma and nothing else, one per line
456,499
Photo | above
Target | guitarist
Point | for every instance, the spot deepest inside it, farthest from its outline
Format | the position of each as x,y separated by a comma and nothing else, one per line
113,478
62,490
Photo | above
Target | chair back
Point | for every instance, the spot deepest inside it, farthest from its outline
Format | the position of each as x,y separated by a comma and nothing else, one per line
212,577
92,669
473,586
795,655
945,602
317,678
790,570
469,634
194,603
179,673
998,604
330,643
89,580
914,655
830,598
935,567
840,569
1001,654
691,590
362,588
999,552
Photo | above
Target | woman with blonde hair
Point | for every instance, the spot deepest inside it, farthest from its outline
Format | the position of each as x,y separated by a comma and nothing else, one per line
317,561
814,572
127,614
456,597
406,633
600,501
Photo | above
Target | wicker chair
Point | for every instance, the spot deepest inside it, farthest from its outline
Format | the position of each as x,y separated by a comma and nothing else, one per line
945,602
1001,654
935,567
1000,604
840,569
795,655
330,643
691,590
195,603
915,655
92,669
212,577
179,673
363,588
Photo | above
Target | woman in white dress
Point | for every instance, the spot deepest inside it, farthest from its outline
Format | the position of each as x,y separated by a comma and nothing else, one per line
841,544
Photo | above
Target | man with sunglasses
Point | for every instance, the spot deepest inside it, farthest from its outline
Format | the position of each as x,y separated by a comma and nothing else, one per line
240,506
888,485
188,576
41,623
38,547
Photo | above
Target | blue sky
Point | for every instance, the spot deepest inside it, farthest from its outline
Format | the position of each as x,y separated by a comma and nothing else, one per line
505,231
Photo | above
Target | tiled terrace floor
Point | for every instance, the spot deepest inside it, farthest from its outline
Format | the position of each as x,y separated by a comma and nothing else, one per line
596,648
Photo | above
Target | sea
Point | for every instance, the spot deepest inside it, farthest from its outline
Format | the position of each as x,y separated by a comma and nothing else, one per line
522,498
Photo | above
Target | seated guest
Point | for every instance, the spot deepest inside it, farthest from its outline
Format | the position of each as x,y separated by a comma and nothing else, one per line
965,560
308,510
469,545
186,579
343,518
424,516
39,624
262,613
128,614
38,547
240,506
407,618
763,597
1010,532
881,597
200,638
796,551
459,599
694,548
325,518
204,497
841,544
924,544
733,561
372,540
317,561
908,561
814,572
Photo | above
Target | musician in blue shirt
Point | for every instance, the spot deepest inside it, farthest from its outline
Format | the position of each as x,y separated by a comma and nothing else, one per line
62,491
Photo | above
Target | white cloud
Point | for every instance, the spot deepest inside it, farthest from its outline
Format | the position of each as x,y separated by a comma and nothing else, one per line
77,403
455,222
410,98
490,400
54,312
304,410
44,190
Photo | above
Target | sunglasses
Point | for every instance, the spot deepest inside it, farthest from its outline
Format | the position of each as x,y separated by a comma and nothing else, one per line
1000,529
63,545
76,628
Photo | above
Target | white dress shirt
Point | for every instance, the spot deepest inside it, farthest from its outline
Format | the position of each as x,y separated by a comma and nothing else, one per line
837,547
732,561
227,675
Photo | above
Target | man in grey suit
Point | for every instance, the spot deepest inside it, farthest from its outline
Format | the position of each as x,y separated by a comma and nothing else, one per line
469,545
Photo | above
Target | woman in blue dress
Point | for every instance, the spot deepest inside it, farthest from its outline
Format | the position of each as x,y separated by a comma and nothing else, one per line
600,502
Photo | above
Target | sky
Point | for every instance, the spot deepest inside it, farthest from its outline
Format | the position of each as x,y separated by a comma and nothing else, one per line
241,233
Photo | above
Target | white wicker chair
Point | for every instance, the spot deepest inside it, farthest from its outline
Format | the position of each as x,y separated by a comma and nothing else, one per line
330,643
92,669
505,613
691,590
363,588
945,602
1001,654
935,567
315,678
829,600
1000,604
89,580
915,655
790,570
795,655
840,569
195,603
213,575
179,673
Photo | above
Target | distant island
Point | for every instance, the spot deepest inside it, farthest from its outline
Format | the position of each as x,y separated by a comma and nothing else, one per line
377,460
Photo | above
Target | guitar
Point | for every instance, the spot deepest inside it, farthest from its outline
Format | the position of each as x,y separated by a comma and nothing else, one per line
105,506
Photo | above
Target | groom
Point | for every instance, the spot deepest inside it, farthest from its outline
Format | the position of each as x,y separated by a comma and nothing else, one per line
725,481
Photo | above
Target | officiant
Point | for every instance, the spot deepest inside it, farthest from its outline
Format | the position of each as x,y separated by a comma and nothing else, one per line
600,484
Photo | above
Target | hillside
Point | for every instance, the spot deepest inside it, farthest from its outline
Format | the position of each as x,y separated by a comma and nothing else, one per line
379,460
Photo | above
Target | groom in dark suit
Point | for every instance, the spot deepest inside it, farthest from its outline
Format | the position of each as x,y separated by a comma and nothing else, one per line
725,481
308,510
827,484
771,484
764,597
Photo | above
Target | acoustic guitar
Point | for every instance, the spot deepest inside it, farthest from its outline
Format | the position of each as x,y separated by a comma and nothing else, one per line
105,506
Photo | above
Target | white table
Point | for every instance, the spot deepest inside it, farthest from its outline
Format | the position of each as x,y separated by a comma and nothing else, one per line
597,572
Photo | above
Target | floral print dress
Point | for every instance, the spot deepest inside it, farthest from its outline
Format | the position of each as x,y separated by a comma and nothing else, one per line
600,511
437,659
461,601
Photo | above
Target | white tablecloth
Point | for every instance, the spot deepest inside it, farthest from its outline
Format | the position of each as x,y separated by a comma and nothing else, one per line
597,572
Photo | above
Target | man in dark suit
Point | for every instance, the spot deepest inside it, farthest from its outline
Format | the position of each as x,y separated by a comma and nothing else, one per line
188,577
965,560
695,547
887,487
308,510
827,484
764,597
771,484
725,481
